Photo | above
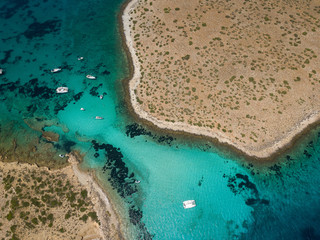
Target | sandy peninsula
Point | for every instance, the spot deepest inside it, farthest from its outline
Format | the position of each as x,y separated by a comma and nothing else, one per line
38,203
243,72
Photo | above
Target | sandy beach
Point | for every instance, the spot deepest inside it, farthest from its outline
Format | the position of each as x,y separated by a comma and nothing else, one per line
262,137
110,225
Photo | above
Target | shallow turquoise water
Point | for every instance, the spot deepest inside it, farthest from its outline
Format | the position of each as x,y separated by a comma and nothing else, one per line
235,199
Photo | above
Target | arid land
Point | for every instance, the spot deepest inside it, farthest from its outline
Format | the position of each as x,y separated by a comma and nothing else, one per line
244,72
38,203
45,196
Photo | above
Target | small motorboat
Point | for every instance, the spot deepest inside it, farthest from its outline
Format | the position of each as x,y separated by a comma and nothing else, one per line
80,58
54,70
1,71
189,204
101,97
61,155
82,109
90,77
97,117
62,90
137,181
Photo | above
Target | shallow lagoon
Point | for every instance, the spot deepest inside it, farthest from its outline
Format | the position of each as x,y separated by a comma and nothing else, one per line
235,199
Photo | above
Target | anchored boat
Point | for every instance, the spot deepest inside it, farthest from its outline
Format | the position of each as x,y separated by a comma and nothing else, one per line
97,117
54,70
62,90
90,77
189,204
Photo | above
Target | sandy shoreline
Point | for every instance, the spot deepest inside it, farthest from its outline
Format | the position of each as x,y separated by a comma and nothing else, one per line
110,222
267,151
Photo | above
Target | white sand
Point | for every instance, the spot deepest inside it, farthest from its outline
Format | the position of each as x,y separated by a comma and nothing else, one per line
110,224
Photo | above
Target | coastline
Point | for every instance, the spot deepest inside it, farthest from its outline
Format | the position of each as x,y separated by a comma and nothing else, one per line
105,225
263,153
110,221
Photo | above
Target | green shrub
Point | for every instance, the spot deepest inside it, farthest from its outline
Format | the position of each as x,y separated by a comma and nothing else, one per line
13,228
84,218
35,221
14,237
186,57
93,216
10,216
14,203
50,217
29,225
83,209
68,215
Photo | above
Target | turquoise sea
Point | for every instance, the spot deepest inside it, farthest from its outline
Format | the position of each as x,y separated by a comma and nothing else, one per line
236,199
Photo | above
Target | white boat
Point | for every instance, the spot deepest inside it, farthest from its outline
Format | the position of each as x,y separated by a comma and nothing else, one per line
61,155
101,96
54,70
90,77
82,109
97,117
80,58
137,181
62,90
1,71
189,204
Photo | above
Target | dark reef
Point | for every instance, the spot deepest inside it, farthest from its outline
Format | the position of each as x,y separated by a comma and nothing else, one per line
119,173
240,184
37,29
7,55
122,181
11,9
134,130
37,92
94,90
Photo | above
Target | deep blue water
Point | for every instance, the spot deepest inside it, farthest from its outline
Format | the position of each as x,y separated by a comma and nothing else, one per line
235,199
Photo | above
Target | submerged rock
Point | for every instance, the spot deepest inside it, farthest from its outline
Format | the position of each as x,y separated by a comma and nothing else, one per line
51,136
